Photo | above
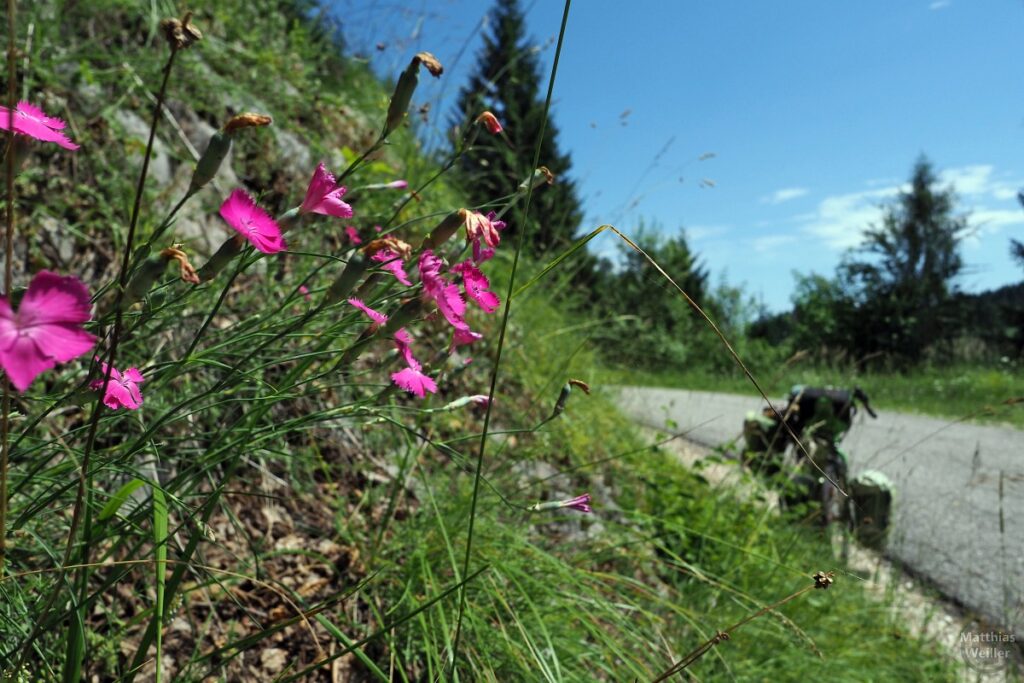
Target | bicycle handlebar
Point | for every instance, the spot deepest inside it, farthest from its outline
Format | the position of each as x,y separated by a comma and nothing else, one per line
863,398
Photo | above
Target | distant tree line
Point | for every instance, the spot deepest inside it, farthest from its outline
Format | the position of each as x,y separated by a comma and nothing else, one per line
894,300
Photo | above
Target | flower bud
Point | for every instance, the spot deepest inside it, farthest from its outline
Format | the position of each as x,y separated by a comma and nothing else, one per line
229,250
347,279
143,280
540,176
490,122
216,151
403,316
445,229
219,146
151,269
407,83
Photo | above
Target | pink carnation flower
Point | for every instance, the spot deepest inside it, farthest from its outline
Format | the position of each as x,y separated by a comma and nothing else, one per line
485,229
304,291
353,235
412,378
252,222
46,330
491,122
31,121
581,503
376,317
478,287
436,288
392,262
464,337
403,340
324,196
122,389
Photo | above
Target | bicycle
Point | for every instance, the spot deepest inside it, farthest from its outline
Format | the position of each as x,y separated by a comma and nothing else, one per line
817,473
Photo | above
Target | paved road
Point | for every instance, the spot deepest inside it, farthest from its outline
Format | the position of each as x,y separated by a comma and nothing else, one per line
946,523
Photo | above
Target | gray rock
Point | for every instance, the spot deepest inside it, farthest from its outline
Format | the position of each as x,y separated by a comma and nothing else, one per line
133,127
294,152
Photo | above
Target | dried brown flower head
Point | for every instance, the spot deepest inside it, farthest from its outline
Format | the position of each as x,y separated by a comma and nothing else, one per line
396,245
181,33
247,120
430,62
188,273
581,384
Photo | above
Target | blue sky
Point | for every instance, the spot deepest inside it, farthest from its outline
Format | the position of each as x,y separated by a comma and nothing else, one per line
814,111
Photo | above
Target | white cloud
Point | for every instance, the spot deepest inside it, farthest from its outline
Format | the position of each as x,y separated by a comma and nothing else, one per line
771,242
991,221
840,220
969,180
940,4
784,195
695,233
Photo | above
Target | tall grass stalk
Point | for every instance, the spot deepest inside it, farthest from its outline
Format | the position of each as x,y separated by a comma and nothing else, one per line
5,409
523,230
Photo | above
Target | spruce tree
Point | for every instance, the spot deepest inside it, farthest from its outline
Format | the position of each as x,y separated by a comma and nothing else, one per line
507,82
903,276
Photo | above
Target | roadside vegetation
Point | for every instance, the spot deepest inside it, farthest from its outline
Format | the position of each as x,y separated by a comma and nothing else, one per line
245,472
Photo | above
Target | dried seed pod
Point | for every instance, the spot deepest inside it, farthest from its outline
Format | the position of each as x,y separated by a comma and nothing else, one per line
181,33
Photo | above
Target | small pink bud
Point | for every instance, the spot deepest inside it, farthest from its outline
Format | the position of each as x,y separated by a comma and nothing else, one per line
490,122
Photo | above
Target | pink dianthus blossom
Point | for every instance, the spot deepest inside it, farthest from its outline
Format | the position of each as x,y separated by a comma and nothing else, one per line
304,291
491,122
376,317
485,229
353,235
477,286
392,262
581,503
403,340
122,389
464,337
252,222
412,378
436,288
47,328
324,196
31,121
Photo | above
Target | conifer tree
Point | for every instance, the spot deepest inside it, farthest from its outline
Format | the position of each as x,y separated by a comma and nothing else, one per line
903,276
507,82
